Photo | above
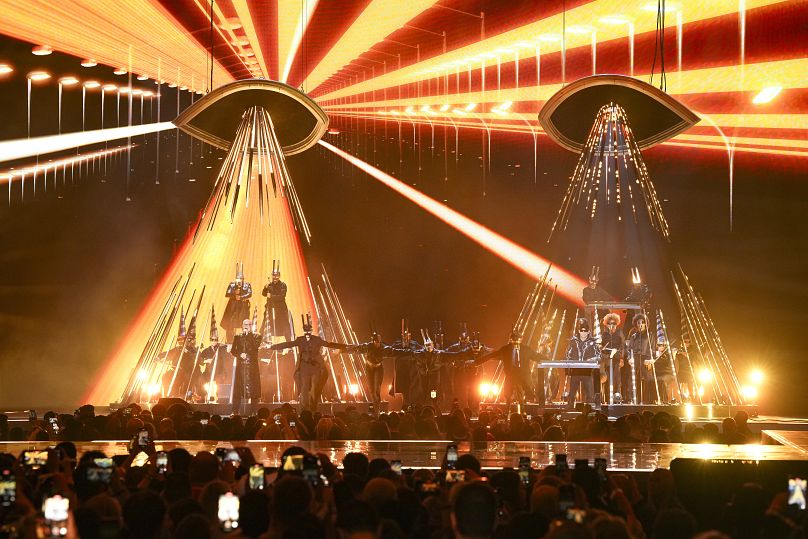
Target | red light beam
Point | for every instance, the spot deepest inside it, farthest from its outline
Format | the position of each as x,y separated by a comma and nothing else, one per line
569,284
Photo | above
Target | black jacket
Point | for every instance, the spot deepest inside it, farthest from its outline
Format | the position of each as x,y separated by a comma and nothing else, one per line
309,348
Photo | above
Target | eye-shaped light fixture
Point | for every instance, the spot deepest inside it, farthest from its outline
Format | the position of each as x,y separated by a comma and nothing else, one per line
299,122
655,116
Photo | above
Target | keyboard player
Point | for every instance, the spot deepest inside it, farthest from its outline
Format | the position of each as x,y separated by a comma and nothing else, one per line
583,349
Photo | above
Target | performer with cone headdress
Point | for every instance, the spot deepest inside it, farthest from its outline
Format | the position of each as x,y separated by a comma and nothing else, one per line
179,361
238,293
466,371
311,370
593,292
516,361
216,360
375,351
276,313
404,370
428,362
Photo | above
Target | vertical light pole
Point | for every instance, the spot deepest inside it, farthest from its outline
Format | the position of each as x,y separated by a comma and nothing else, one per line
34,76
64,81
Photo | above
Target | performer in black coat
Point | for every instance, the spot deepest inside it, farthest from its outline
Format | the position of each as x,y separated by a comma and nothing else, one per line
516,361
427,362
276,313
612,358
238,293
375,351
311,370
466,370
404,375
638,351
583,348
247,379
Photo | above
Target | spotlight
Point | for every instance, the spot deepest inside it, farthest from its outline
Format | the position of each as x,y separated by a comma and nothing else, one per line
67,81
41,50
766,94
120,71
89,63
757,377
470,107
444,108
580,29
124,89
110,87
615,19
142,77
689,412
37,76
485,389
142,374
353,389
705,376
92,84
230,23
5,69
749,393
495,389
550,38
152,389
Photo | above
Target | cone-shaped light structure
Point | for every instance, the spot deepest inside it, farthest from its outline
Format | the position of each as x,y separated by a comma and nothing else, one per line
611,172
252,218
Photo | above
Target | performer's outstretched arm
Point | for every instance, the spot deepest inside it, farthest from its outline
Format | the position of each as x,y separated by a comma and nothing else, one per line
284,345
337,345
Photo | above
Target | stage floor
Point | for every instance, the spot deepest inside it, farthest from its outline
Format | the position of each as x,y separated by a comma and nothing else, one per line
494,455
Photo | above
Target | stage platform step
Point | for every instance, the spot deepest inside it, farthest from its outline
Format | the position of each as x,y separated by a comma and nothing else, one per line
700,412
631,457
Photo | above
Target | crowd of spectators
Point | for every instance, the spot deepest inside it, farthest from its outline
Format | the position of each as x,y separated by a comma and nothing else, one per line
181,422
219,494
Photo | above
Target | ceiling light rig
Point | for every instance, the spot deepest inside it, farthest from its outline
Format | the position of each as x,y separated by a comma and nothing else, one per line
42,50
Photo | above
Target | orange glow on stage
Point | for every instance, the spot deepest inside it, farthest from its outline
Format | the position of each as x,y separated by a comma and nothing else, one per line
247,220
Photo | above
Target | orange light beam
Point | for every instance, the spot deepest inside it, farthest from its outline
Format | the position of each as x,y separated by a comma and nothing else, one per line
535,266
29,147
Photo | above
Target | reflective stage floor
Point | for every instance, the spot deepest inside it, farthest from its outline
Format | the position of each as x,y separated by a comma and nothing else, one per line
620,456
